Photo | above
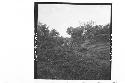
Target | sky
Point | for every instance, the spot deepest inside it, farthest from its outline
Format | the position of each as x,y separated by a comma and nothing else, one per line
61,16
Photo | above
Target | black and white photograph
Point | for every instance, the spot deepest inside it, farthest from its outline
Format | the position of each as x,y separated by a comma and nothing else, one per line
72,41
62,41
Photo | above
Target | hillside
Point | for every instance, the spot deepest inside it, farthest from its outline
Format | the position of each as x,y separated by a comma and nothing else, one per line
80,57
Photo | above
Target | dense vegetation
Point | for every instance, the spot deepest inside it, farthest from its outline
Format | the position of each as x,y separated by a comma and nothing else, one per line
83,56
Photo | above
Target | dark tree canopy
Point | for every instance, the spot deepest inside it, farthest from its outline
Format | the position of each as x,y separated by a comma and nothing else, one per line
83,56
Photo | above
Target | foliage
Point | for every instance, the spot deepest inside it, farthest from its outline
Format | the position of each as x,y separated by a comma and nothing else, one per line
84,56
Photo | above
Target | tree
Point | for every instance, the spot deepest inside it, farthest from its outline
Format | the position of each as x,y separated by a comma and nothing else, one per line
53,32
65,58
75,32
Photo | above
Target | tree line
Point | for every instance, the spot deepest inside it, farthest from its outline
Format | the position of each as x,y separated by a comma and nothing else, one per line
83,56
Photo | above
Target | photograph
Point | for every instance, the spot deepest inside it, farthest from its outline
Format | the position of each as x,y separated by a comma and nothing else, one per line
72,41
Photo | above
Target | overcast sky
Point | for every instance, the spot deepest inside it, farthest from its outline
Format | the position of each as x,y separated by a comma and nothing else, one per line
61,16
